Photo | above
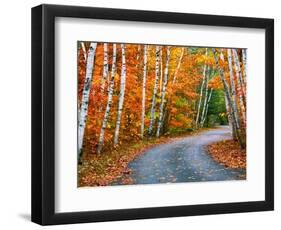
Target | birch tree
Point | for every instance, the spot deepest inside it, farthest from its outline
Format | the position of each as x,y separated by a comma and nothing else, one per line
241,92
178,66
143,89
161,71
165,82
138,53
109,102
173,82
244,60
83,112
233,90
206,96
201,94
207,107
238,68
152,110
229,98
121,95
105,67
229,117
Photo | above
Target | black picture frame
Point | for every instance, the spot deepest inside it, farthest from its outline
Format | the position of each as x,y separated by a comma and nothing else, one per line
43,114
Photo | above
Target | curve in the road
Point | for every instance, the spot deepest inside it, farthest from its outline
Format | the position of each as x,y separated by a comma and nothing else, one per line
183,160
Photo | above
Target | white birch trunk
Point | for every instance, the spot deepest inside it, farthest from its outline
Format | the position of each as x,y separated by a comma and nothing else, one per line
109,102
85,96
84,50
121,95
206,97
165,82
206,112
244,60
229,116
201,94
239,72
152,110
233,90
143,89
239,85
161,71
178,66
105,67
229,98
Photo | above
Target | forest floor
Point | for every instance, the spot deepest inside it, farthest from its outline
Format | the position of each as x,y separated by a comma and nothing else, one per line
228,153
164,160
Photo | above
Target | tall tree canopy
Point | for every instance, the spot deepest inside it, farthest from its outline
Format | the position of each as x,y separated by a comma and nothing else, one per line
129,92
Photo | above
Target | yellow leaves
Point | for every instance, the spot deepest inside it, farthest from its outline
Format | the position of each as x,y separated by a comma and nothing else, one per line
117,76
201,59
216,83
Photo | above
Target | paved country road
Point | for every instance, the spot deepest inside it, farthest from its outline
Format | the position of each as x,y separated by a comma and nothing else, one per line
183,160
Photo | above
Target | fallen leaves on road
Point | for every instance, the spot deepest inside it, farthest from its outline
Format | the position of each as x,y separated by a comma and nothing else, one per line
228,153
103,169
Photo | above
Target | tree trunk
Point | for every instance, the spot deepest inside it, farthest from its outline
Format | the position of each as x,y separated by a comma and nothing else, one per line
233,90
138,53
240,89
201,93
85,96
178,66
105,67
206,112
160,120
229,99
244,60
239,75
230,120
143,89
161,71
109,102
152,110
239,72
206,97
84,50
121,95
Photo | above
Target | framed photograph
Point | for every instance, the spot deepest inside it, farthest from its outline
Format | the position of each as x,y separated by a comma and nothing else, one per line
142,114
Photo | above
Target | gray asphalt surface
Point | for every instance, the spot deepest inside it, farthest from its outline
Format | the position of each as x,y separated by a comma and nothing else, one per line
184,160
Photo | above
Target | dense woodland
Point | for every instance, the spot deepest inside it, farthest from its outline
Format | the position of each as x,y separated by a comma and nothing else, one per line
128,93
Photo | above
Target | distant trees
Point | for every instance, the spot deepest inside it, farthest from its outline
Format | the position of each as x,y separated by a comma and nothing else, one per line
141,91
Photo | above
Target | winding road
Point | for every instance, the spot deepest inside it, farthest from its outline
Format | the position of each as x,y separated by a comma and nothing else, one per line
183,160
